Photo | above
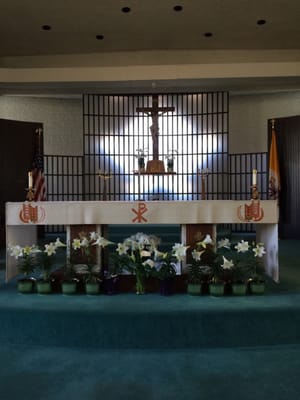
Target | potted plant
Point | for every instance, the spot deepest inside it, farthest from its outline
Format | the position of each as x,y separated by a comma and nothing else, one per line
166,267
112,273
257,271
69,281
85,244
137,255
199,270
27,261
242,262
46,259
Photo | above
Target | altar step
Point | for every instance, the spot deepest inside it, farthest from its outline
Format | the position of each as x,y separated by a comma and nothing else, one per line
150,321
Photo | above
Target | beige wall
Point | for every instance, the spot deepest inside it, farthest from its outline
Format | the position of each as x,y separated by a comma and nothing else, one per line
62,119
248,118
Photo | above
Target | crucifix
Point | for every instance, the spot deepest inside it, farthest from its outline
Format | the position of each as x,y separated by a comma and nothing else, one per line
154,112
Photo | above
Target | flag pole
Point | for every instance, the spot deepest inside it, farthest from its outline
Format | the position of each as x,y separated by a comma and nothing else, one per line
274,170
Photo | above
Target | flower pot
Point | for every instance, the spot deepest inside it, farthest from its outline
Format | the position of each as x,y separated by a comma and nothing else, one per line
69,287
92,288
257,288
216,289
111,285
140,283
194,289
25,286
239,288
43,287
166,286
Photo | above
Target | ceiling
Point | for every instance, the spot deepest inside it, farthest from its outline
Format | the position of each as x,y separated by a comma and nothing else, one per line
31,29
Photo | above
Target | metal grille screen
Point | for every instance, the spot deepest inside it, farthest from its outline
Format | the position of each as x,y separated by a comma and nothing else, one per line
197,131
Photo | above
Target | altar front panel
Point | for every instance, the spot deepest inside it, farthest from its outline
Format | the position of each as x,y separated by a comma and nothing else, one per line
137,212
21,217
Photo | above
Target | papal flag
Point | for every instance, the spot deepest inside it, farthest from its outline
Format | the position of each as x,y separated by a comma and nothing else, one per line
38,171
274,175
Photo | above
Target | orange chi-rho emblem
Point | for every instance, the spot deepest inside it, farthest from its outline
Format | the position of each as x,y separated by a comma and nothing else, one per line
31,214
252,212
139,212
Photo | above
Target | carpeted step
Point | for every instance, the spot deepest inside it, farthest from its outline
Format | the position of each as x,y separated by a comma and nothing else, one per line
149,321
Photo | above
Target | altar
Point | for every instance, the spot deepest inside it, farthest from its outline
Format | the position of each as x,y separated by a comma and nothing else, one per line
22,220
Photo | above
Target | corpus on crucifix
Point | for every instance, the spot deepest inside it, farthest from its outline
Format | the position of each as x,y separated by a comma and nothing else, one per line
154,112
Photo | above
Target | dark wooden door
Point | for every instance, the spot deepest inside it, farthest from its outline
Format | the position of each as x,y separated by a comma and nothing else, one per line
17,147
288,143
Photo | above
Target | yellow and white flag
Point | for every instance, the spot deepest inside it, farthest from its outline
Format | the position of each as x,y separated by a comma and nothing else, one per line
274,175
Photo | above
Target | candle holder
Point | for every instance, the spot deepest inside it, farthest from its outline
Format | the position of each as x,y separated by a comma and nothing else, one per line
203,173
255,192
105,176
30,194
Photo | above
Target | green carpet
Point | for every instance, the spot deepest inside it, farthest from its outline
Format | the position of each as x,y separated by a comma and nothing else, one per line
154,347
46,373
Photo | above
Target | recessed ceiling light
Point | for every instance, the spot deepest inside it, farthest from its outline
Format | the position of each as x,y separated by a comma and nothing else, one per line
126,9
46,27
261,22
177,8
207,34
99,37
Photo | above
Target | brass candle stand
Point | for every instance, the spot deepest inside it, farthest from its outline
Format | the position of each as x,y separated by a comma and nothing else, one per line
30,193
255,192
105,176
203,173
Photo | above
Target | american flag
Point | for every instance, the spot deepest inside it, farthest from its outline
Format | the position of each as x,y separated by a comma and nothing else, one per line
38,178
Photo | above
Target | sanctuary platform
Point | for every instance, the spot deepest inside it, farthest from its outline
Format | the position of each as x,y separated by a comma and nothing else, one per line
154,347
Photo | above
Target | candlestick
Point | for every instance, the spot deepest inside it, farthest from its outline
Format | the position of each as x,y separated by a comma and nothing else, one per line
30,194
30,180
203,174
104,175
254,176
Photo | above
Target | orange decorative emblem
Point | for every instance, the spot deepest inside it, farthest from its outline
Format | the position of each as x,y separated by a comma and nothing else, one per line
252,212
139,212
31,215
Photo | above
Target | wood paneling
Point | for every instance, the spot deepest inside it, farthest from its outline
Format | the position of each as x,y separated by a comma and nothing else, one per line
17,146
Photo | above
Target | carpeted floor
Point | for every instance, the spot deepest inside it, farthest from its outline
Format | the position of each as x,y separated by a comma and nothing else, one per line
46,373
208,360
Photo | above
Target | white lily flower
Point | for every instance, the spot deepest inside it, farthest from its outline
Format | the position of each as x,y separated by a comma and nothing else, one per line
50,249
76,244
242,247
224,243
259,251
122,249
94,235
58,243
84,242
102,242
179,251
227,264
27,250
197,254
16,251
207,240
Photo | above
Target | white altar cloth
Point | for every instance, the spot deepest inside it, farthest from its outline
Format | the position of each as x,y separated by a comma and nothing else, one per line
135,212
22,219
